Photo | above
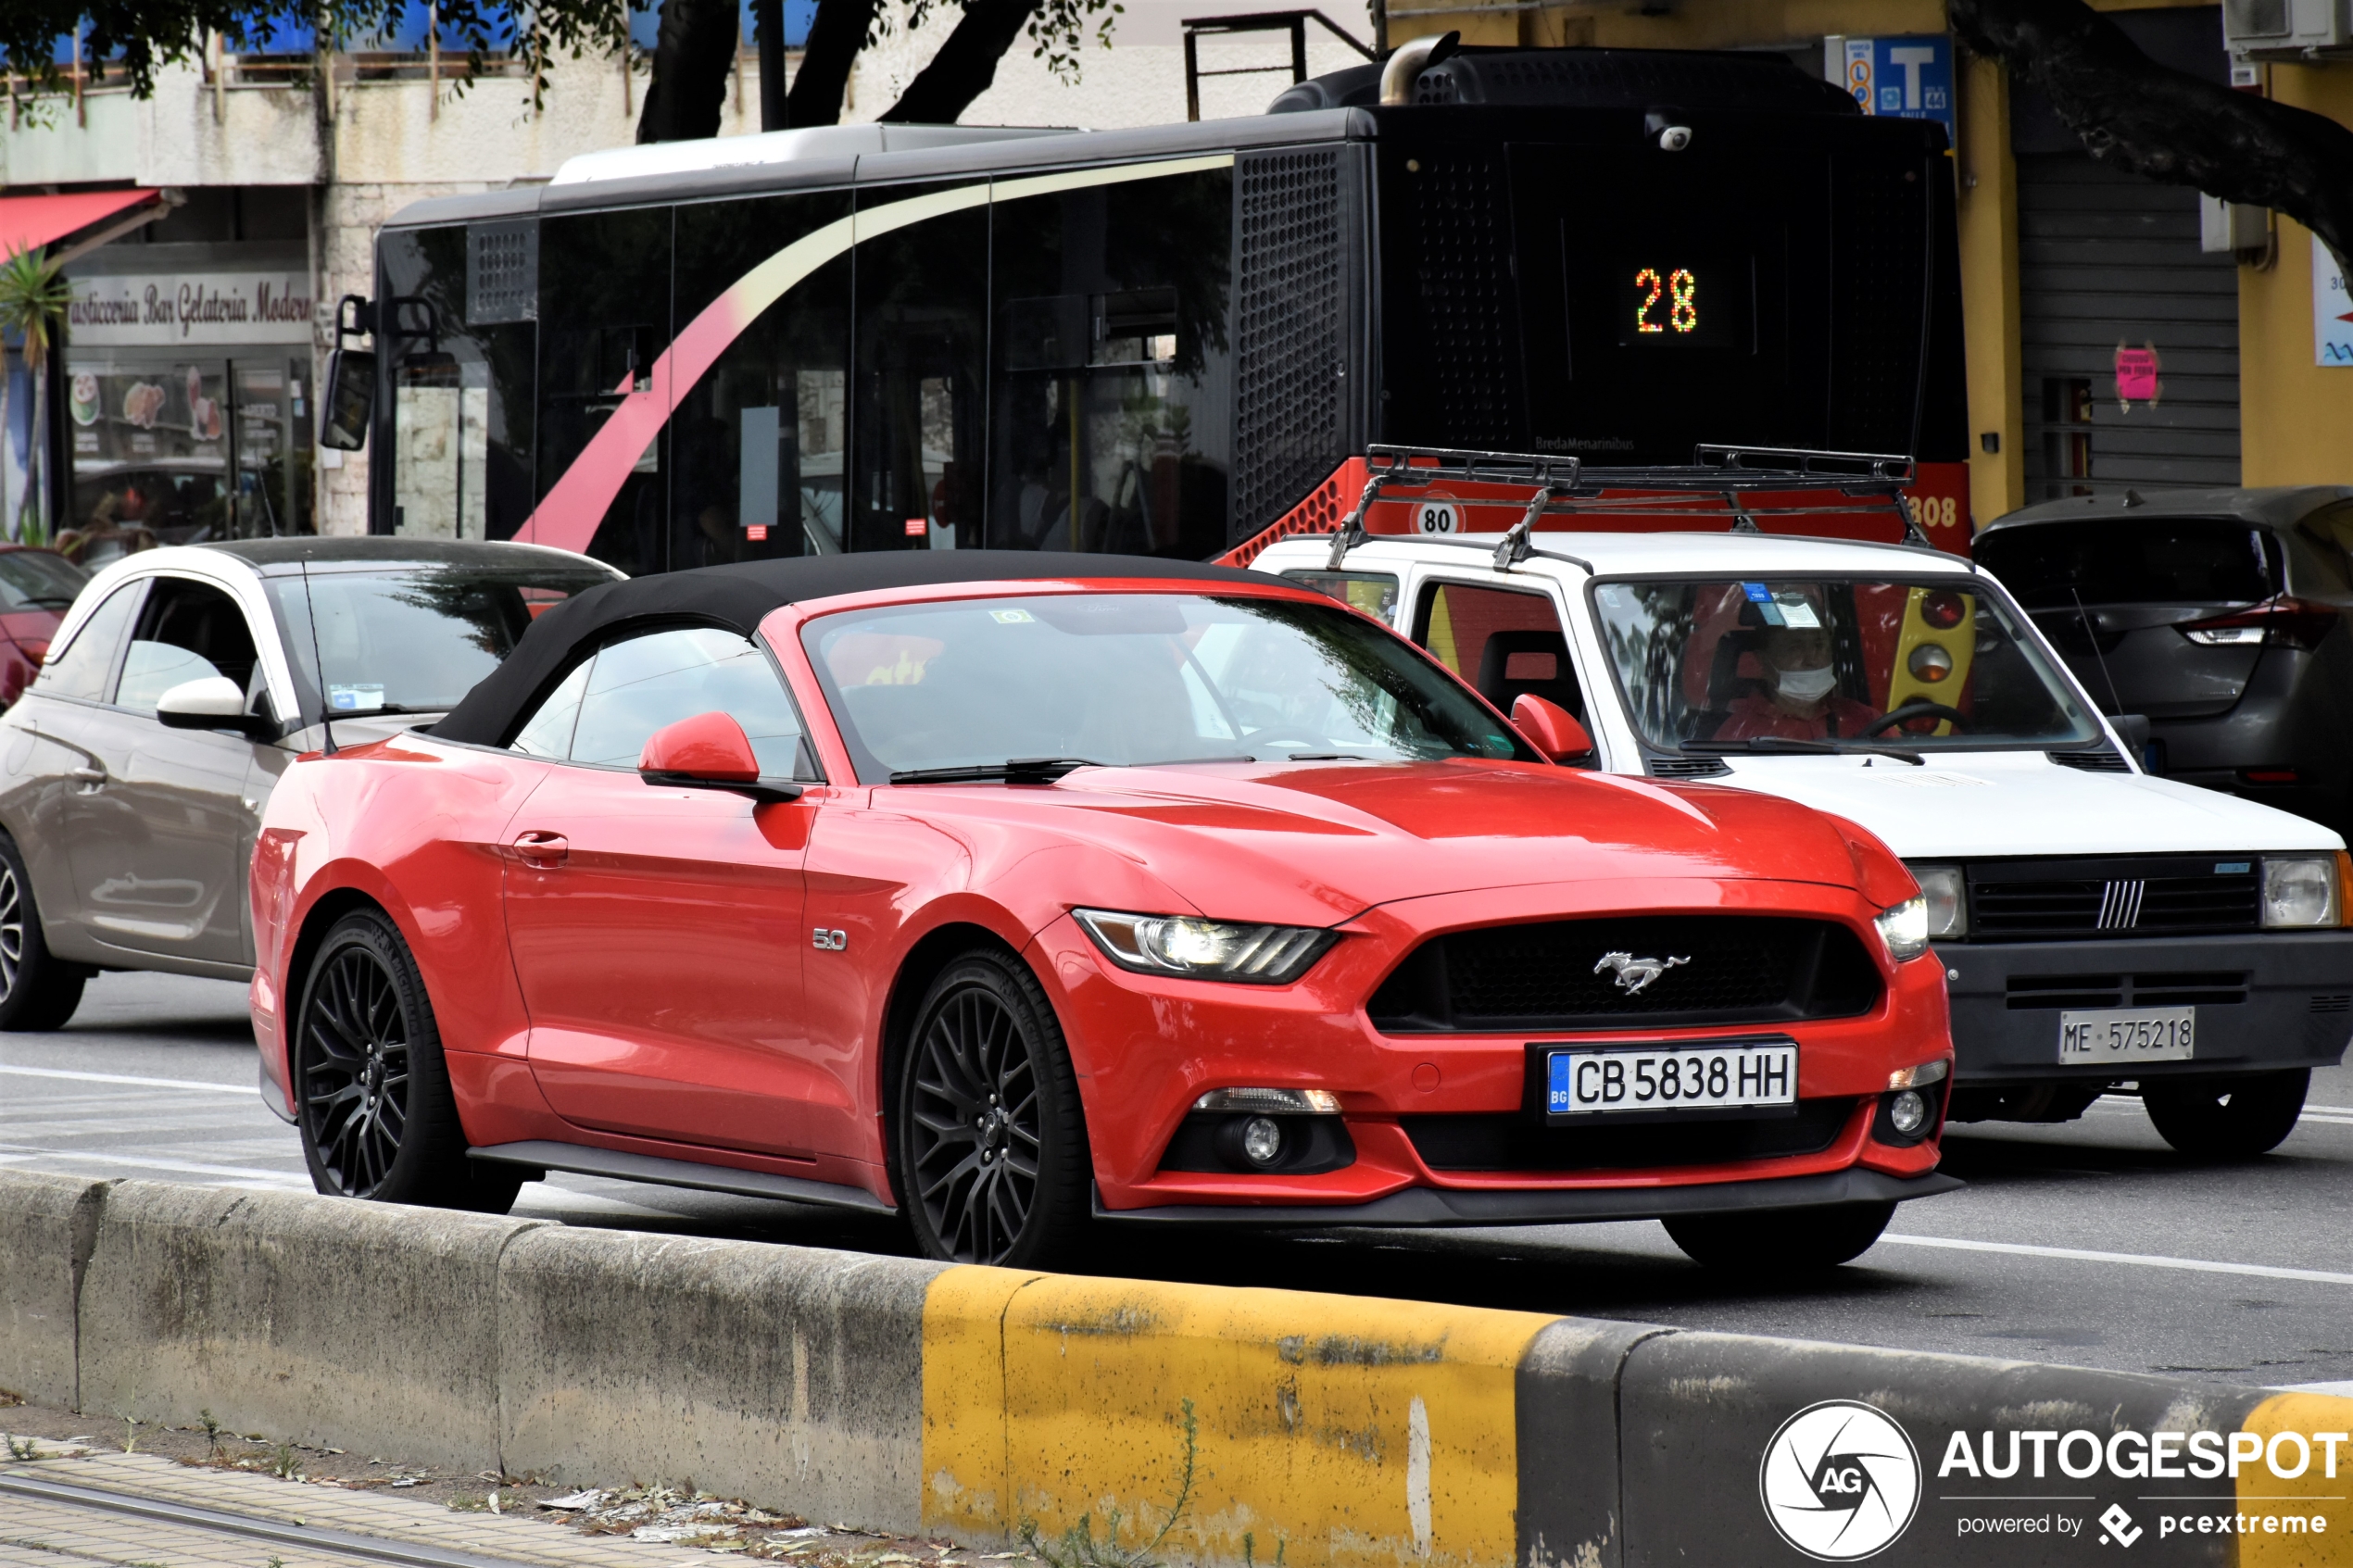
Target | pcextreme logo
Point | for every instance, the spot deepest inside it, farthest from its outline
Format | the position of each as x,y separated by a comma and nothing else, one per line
1840,1480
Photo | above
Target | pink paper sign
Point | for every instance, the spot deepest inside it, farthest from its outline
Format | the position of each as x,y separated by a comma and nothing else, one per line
2135,375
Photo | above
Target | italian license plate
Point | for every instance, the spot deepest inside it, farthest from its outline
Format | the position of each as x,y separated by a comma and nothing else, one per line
1673,1081
2108,1036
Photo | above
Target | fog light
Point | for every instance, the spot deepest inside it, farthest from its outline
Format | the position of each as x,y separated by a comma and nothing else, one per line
1263,1139
1907,1113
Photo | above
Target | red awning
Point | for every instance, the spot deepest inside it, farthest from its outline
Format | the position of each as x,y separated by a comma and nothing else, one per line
34,222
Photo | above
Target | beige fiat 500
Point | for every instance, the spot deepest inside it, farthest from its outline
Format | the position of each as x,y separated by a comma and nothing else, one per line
184,681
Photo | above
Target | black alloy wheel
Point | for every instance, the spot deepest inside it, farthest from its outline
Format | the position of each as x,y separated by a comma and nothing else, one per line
377,1117
992,1148
1782,1241
38,990
2234,1116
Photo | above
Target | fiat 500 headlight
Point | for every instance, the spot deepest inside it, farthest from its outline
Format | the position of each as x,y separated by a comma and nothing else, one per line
1205,950
2301,892
1904,927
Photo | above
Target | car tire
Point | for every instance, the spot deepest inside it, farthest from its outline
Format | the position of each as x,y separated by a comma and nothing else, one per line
990,1158
38,989
1782,1241
371,1091
2234,1116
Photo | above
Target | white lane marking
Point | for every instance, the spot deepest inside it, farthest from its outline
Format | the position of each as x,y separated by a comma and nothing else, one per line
2136,1259
142,1083
19,1152
2342,1390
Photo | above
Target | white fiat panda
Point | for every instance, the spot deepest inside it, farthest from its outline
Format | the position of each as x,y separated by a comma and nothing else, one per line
2103,931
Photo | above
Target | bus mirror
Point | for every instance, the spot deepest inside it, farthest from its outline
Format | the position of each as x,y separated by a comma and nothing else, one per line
344,411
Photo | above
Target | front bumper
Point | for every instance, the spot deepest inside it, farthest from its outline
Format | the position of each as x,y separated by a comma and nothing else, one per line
1449,1206
2297,1010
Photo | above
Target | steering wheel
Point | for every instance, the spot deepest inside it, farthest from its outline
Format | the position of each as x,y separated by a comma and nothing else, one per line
1912,710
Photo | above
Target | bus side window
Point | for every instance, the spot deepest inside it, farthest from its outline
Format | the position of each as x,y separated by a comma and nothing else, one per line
1112,372
461,395
757,442
604,319
922,342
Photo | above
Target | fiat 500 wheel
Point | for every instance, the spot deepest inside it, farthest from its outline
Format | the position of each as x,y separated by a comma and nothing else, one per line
1780,1241
377,1117
2233,1117
38,990
992,1145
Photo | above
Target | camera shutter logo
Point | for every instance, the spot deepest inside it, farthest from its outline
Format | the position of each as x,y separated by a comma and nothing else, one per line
1840,1480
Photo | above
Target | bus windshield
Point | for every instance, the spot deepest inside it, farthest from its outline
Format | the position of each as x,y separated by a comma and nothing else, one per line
1719,665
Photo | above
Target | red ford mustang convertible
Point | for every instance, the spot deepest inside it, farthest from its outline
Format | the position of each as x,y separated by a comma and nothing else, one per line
1008,892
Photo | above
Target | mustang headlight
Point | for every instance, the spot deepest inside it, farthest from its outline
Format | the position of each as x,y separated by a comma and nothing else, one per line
1205,950
1946,890
1904,927
2300,892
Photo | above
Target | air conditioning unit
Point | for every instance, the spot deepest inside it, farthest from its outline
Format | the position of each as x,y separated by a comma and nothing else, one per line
2285,30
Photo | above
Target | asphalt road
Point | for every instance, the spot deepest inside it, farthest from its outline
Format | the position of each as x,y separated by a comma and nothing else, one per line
2090,1243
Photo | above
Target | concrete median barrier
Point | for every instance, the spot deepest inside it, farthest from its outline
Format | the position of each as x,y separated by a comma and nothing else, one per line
776,1371
349,1325
47,1225
1119,1422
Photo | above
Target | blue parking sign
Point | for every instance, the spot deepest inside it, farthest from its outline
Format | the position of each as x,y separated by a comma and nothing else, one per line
1907,78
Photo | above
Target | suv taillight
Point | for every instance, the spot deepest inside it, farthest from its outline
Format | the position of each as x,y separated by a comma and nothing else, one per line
2288,621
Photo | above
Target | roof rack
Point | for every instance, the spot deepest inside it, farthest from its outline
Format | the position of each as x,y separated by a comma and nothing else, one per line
1728,474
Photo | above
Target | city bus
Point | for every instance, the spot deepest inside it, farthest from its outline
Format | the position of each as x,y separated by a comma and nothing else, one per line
1627,272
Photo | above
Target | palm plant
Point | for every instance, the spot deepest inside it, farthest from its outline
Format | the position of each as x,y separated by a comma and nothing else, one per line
33,296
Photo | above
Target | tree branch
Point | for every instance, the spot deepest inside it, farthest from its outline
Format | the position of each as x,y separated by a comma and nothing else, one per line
836,34
966,65
2137,115
693,53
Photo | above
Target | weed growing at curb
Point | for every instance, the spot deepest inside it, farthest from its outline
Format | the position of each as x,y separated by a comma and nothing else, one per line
1078,1547
26,1449
211,1433
284,1462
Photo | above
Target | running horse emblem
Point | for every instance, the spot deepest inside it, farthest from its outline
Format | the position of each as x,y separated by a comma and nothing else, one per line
1633,974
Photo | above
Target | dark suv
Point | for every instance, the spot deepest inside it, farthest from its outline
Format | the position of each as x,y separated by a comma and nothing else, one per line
2220,614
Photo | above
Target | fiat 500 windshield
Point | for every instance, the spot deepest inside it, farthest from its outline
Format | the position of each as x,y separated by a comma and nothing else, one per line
1831,664
1027,688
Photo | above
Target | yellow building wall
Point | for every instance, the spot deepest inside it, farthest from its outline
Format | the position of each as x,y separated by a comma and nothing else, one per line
2295,419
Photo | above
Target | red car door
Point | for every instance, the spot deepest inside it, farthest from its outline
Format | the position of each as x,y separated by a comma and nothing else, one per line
657,931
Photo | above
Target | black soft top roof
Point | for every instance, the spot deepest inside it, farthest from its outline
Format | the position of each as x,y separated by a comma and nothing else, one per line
739,598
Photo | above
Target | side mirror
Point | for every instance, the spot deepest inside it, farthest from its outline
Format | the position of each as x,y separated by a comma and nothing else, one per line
350,401
708,751
1551,728
213,703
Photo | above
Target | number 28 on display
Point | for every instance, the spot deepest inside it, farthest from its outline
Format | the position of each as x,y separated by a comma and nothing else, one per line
1668,301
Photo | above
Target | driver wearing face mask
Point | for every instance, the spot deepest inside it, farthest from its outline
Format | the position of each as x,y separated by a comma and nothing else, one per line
1799,699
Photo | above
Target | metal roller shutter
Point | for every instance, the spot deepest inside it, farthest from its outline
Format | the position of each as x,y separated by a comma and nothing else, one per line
2109,269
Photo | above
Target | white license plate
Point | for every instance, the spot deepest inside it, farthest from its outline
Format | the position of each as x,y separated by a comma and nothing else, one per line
1692,1078
2106,1036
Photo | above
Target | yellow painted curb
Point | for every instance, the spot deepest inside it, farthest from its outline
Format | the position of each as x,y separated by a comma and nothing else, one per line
2314,1495
1251,1426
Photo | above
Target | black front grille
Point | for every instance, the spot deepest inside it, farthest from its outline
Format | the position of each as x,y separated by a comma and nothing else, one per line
1463,264
2172,988
1687,767
2103,760
2124,897
1512,1143
1560,974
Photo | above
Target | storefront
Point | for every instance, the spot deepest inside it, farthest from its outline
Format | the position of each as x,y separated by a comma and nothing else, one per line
188,397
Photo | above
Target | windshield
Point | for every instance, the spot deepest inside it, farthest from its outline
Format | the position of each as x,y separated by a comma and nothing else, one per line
2167,560
38,580
1842,663
411,639
1132,679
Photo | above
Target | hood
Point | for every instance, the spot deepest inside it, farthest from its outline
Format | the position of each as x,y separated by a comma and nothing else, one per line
1992,803
1313,843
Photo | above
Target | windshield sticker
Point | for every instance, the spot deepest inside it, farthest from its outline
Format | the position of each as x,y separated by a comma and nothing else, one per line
1797,613
1012,618
1762,598
355,700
